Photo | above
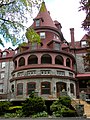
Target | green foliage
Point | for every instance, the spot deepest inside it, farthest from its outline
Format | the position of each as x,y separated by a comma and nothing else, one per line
13,18
18,113
32,36
61,107
4,107
33,105
41,114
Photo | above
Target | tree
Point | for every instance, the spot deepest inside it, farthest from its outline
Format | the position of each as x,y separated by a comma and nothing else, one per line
13,18
85,5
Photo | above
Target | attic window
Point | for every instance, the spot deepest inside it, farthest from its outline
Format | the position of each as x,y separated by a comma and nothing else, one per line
83,43
37,23
56,46
42,35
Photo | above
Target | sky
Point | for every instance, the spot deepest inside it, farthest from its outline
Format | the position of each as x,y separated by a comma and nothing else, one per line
66,12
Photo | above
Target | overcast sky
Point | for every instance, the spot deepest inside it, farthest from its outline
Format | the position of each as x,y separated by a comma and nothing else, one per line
65,12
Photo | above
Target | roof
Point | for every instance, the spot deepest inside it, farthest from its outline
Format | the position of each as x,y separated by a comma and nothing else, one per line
45,16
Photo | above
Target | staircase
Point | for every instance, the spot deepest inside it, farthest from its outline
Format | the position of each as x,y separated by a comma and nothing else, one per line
75,102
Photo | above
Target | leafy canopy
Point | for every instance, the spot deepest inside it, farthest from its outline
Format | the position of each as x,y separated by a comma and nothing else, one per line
13,18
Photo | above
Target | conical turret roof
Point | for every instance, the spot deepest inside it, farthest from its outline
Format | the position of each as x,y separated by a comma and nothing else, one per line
45,16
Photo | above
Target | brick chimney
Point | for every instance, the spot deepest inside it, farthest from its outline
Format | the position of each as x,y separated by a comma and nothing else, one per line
72,37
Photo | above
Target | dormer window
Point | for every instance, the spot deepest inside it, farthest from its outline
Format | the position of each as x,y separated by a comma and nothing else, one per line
4,54
42,35
37,22
56,46
83,44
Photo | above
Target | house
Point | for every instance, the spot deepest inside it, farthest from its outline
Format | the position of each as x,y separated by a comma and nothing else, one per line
50,69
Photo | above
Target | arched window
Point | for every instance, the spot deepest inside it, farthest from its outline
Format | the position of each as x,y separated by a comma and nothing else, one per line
45,88
15,64
46,59
20,89
21,61
68,62
31,86
72,88
59,60
32,59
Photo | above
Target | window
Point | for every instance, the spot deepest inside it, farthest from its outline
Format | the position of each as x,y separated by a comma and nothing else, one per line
20,89
15,64
21,61
2,75
72,88
12,87
3,64
32,59
31,86
70,74
68,62
45,88
33,46
46,59
83,44
1,88
4,54
57,46
42,35
37,23
59,60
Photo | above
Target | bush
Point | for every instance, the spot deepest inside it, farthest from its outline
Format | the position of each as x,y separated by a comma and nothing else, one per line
33,105
4,107
61,107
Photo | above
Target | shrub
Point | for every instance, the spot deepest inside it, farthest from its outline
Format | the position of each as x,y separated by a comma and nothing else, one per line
33,105
4,107
41,114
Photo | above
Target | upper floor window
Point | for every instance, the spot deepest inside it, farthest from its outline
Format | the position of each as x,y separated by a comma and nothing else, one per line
4,54
46,59
83,43
56,46
21,61
3,65
59,60
20,89
68,62
42,35
37,23
33,46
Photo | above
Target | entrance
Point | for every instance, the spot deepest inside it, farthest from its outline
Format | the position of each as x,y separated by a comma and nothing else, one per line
61,87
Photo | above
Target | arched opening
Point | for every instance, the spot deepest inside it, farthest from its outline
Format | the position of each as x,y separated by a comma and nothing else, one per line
46,59
21,61
68,62
32,59
59,60
61,88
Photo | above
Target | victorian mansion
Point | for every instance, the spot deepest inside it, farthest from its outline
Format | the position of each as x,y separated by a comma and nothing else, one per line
51,69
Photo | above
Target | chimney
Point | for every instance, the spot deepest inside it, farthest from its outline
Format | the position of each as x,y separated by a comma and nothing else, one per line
72,37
